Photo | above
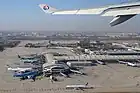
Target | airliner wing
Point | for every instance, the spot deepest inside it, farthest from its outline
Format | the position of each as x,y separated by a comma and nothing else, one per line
121,12
53,11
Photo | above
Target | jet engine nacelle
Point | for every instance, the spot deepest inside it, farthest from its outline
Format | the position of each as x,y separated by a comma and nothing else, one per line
120,19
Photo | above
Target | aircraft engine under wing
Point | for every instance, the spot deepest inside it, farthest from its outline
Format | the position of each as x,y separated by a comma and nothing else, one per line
120,19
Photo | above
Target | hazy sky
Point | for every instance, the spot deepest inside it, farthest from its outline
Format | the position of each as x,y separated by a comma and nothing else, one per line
25,15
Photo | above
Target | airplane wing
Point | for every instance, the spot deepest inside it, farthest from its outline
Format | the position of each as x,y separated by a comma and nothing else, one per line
121,13
79,88
54,11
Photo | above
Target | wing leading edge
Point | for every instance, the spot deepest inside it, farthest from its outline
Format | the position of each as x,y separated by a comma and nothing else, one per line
121,13
53,11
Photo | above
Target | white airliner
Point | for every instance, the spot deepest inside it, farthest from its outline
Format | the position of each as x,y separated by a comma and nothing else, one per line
121,12
100,62
79,87
133,64
18,69
123,62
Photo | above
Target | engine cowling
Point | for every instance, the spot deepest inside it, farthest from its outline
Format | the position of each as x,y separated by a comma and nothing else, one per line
120,19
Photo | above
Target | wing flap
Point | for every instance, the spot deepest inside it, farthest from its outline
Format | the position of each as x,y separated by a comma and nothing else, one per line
91,11
126,11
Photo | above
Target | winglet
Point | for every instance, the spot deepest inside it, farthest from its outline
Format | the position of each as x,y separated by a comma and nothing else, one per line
47,9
